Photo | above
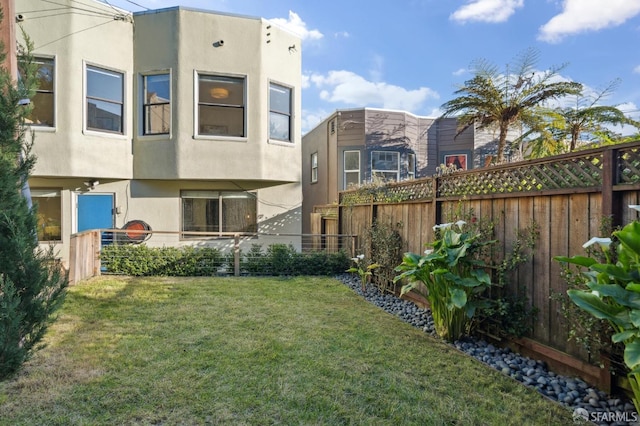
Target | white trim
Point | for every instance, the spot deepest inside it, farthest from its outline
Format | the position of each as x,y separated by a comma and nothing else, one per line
107,134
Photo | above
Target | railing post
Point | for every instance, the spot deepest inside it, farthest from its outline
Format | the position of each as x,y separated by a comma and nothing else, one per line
610,199
236,255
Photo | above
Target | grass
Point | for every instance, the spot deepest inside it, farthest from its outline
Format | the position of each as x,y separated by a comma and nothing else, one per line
252,351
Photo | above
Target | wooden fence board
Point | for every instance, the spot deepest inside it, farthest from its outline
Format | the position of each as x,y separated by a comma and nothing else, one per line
542,213
559,226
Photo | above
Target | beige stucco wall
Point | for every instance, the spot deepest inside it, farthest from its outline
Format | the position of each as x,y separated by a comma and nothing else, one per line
74,40
247,52
147,174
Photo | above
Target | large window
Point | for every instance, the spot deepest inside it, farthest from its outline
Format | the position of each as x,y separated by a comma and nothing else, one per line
49,213
351,168
385,165
314,167
157,104
218,211
221,106
105,100
42,113
279,112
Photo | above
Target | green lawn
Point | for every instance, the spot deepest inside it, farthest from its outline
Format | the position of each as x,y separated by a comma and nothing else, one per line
252,351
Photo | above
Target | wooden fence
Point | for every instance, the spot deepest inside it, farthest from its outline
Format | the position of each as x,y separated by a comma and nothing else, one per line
84,256
567,196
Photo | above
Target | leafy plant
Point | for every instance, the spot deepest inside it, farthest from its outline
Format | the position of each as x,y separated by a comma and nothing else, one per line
364,272
384,244
613,293
454,277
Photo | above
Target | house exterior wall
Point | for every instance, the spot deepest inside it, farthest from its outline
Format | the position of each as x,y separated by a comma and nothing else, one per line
69,149
147,174
369,130
245,52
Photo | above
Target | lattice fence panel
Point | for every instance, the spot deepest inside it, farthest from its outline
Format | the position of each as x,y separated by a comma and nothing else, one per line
575,172
628,166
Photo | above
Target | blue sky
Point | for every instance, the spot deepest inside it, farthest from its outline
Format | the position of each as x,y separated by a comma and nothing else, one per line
412,54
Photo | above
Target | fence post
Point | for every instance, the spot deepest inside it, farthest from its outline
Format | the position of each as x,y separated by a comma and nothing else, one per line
236,255
610,198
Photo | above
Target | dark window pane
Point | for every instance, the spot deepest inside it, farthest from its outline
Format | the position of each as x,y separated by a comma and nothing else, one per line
104,116
221,121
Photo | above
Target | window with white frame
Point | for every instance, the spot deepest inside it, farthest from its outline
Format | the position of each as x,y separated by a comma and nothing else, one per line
218,212
105,100
221,106
279,112
49,205
411,166
156,109
43,102
385,165
351,168
314,167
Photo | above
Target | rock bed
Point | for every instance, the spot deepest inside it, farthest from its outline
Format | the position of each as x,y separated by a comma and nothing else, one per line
573,393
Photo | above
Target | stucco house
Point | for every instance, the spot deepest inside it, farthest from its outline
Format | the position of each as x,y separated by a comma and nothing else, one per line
354,146
186,119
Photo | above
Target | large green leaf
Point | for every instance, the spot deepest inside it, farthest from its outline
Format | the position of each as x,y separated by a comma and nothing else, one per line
576,260
629,236
624,335
613,271
633,287
458,297
634,317
482,276
632,354
621,296
595,306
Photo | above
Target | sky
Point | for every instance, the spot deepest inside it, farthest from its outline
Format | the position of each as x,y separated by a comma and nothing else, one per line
412,55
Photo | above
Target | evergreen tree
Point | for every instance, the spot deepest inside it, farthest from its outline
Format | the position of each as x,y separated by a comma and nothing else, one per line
32,285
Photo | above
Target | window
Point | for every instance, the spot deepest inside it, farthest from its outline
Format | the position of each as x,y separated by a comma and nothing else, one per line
157,104
411,166
279,112
49,213
219,211
385,164
105,100
351,168
221,110
42,113
314,167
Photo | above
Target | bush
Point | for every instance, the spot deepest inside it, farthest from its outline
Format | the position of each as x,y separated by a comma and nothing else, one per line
279,259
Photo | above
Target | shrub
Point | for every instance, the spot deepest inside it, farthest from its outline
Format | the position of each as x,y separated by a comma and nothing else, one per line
613,293
279,259
454,276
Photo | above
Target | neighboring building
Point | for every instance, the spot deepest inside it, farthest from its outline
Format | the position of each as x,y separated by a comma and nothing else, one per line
188,120
355,146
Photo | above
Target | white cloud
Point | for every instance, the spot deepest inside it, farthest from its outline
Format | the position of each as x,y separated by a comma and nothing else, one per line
305,81
487,10
310,119
342,34
297,26
460,71
637,69
587,15
349,88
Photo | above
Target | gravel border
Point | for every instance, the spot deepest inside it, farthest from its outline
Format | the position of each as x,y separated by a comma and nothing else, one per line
587,402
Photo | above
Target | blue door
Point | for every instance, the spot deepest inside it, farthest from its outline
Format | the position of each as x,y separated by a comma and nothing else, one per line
95,211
